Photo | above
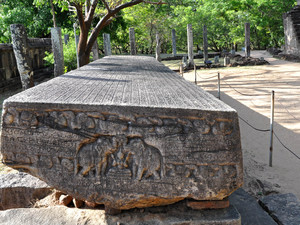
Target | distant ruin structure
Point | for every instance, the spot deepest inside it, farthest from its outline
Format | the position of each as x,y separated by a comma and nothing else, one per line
291,21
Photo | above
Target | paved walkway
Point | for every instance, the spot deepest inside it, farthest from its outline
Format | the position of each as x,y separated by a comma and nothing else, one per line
248,90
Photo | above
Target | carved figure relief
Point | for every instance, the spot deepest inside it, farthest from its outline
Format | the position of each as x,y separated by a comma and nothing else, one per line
92,158
147,160
115,155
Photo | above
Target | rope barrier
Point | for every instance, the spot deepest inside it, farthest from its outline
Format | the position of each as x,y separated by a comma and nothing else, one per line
261,130
243,93
267,130
287,110
205,78
286,147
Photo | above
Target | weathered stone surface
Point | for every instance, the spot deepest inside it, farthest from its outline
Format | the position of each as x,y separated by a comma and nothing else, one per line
174,51
57,48
106,44
65,200
125,131
20,190
190,45
205,44
291,23
78,203
284,208
95,51
247,40
158,47
251,212
132,41
172,215
197,205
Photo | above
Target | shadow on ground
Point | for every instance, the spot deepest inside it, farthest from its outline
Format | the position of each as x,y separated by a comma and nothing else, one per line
260,179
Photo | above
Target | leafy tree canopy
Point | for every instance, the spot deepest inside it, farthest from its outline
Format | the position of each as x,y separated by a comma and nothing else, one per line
224,19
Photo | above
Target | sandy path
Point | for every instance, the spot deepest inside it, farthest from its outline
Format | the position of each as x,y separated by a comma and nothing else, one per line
251,98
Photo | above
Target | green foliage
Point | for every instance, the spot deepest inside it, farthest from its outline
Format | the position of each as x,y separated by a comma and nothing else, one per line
36,20
224,19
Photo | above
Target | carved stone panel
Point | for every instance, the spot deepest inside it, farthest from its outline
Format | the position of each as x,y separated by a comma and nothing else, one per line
123,155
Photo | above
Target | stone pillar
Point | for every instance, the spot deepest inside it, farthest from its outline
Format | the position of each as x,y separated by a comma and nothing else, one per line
158,43
95,51
190,45
57,49
76,44
205,43
20,47
174,42
217,59
247,39
226,61
132,41
298,2
106,44
66,39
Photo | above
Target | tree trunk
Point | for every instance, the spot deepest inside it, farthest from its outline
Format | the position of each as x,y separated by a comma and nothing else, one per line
86,42
53,13
84,59
20,48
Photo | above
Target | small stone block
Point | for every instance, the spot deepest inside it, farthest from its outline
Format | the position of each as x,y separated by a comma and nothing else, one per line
112,211
78,203
20,190
91,204
251,212
65,200
57,195
198,205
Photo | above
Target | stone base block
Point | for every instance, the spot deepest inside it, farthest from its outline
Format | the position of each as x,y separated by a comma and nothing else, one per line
159,215
21,190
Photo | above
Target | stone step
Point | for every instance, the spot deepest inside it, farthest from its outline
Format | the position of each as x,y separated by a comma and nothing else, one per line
284,208
21,190
126,132
251,212
169,215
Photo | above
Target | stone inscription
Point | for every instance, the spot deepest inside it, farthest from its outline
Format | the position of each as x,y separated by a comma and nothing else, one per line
108,151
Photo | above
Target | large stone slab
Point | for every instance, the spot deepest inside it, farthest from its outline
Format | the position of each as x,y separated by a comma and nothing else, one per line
251,212
171,215
284,208
126,132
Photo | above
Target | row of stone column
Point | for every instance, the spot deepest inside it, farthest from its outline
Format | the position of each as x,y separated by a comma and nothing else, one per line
19,39
190,43
205,43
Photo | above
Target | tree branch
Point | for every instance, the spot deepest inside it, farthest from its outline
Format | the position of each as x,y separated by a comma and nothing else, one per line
108,18
155,3
87,7
106,5
90,15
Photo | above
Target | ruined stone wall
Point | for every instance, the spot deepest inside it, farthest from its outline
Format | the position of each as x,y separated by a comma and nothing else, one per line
291,23
9,75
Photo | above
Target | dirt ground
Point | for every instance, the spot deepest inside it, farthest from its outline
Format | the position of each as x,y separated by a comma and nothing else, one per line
248,90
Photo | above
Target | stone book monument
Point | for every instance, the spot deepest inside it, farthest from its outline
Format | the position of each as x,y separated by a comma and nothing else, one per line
126,132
